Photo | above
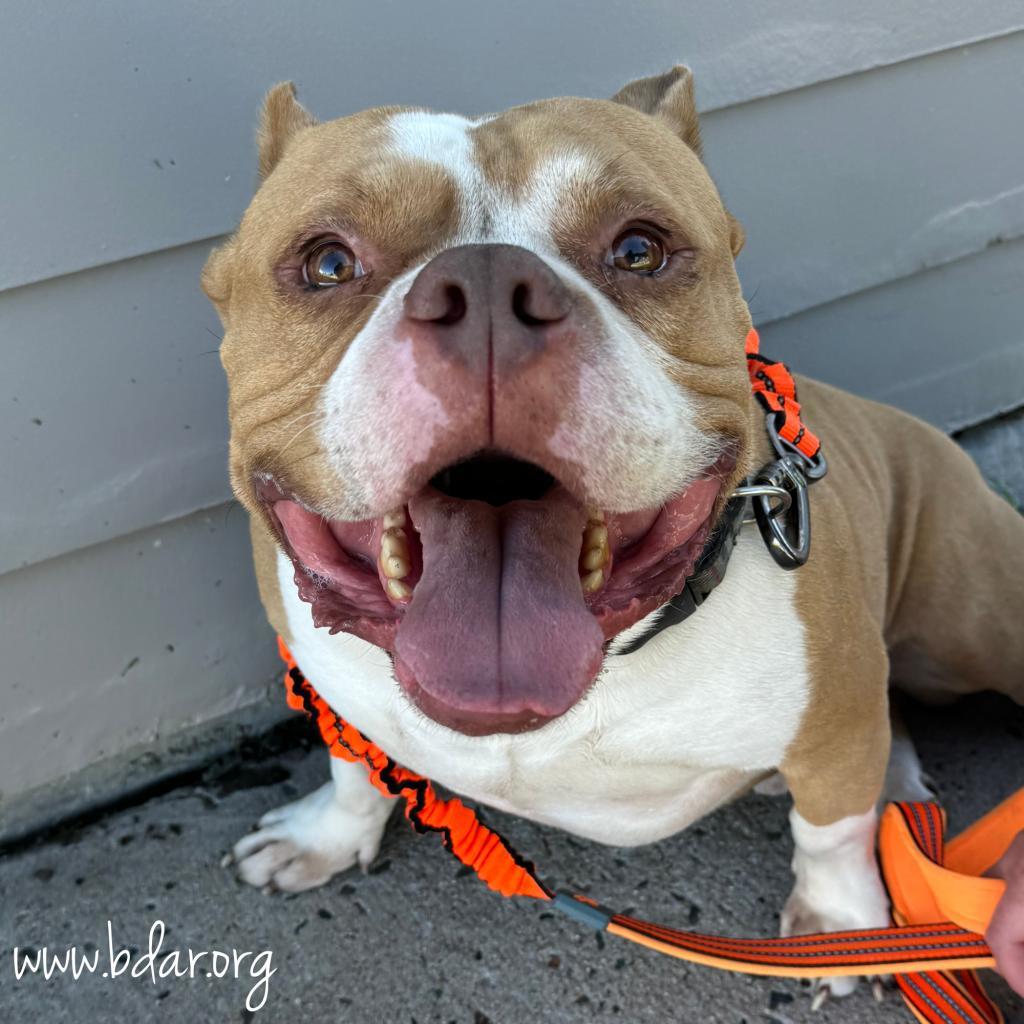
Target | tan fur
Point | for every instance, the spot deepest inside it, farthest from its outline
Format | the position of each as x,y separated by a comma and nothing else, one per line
670,96
264,553
282,118
277,352
911,552
279,348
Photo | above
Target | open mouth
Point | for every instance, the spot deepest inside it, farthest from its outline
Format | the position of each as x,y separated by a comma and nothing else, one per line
494,588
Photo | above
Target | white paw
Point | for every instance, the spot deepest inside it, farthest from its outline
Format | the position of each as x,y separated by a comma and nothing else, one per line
302,844
799,917
838,887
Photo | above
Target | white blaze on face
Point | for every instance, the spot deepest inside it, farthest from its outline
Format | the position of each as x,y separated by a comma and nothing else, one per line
628,425
377,418
490,213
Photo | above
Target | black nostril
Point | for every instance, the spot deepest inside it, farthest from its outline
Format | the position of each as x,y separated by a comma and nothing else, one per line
455,305
432,301
521,305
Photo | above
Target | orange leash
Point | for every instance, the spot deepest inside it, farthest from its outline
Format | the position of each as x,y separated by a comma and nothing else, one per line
940,906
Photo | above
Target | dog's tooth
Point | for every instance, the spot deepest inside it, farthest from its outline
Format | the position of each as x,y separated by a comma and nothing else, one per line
398,590
595,515
394,519
393,542
395,567
595,536
595,558
593,581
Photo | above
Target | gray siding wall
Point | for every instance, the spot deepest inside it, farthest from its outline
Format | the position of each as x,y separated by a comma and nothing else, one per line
873,151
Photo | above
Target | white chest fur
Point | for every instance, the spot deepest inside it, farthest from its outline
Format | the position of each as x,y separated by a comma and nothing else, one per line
665,734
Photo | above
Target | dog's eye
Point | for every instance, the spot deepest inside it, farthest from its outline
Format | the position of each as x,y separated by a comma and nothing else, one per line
637,251
331,264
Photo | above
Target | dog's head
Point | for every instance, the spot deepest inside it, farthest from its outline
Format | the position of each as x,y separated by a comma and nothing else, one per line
487,380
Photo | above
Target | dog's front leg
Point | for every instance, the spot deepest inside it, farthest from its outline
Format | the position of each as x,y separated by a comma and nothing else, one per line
837,883
836,773
302,844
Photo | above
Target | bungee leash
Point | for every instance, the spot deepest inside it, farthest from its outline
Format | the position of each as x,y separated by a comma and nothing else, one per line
941,906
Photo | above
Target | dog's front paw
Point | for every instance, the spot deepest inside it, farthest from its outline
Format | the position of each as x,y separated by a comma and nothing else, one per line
838,888
302,844
802,915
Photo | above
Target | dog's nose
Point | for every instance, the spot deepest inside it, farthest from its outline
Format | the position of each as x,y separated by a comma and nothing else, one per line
484,302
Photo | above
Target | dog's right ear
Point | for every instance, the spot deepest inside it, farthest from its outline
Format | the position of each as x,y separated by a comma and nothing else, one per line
215,279
281,119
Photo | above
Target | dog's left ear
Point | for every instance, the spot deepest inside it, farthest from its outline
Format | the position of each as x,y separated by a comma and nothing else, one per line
670,97
281,119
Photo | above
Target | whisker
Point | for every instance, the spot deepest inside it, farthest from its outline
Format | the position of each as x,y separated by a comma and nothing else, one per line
308,426
301,416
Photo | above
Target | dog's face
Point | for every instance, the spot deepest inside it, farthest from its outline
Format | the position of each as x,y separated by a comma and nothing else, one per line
487,381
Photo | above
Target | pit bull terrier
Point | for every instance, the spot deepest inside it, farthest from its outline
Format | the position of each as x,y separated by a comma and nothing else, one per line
488,400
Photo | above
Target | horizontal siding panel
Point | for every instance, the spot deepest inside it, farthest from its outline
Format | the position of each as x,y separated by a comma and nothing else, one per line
138,136
946,345
112,405
862,180
126,642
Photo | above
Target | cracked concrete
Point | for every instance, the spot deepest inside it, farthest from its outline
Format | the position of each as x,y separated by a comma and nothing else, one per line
420,940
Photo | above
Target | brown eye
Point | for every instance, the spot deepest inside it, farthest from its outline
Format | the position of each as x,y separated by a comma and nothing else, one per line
331,264
637,251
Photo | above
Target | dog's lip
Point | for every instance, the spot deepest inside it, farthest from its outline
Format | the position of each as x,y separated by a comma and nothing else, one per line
637,540
653,553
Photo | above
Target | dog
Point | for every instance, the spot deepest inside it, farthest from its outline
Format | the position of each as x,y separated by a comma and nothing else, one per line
488,401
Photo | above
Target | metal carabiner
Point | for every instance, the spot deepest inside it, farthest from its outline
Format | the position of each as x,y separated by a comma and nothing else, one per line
785,528
769,491
813,469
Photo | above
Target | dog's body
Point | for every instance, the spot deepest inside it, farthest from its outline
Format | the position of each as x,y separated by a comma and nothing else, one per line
626,396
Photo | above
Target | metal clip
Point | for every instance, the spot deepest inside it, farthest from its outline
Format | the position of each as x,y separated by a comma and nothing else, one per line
786,527
769,491
813,469
778,493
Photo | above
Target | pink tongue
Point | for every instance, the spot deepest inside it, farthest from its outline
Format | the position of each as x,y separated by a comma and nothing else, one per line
497,635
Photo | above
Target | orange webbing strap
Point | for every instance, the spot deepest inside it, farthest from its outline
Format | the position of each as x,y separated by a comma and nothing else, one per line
929,880
775,389
934,948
